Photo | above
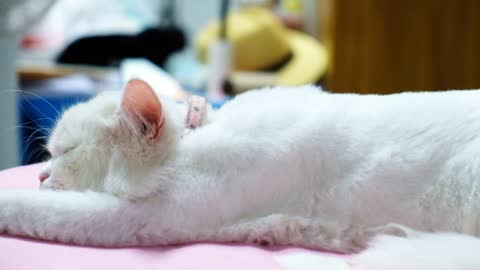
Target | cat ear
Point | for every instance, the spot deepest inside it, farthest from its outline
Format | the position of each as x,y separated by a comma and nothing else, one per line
143,110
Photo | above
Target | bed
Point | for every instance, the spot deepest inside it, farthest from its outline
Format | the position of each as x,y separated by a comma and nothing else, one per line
26,254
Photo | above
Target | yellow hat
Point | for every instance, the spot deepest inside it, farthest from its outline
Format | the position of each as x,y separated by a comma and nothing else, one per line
260,41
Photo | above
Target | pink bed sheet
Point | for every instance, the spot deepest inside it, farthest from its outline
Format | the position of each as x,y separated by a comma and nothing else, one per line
24,254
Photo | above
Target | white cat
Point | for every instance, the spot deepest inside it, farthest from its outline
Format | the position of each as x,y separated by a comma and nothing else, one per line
274,167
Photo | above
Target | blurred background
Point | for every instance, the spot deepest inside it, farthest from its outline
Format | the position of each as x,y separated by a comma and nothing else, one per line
54,53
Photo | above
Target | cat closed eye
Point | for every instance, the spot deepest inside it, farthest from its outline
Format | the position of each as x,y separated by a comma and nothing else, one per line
69,149
60,151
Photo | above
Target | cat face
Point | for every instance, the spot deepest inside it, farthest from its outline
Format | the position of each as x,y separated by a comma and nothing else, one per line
80,145
94,142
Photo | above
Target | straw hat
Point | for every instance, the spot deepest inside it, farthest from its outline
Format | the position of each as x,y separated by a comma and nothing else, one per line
260,42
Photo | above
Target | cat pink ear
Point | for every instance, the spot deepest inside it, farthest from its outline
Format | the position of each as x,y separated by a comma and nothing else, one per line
141,106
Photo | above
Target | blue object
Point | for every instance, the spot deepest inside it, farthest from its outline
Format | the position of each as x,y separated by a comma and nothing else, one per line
38,115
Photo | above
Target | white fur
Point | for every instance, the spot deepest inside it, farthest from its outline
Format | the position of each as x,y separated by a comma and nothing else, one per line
274,166
425,252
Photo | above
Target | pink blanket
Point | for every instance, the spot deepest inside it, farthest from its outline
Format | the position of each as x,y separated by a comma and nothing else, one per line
24,254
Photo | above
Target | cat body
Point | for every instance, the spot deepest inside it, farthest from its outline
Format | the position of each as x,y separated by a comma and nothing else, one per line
274,166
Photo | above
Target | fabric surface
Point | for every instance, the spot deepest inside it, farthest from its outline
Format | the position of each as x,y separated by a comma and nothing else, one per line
26,254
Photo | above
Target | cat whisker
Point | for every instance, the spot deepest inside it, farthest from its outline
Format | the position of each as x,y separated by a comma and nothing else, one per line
30,141
37,96
36,151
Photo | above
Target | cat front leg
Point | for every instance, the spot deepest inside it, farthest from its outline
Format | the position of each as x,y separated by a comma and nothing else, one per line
278,229
85,218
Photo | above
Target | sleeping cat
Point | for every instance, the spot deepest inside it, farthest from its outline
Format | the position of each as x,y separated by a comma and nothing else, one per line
273,167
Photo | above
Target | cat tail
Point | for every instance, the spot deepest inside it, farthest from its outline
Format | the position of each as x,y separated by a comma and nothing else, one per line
425,251
85,218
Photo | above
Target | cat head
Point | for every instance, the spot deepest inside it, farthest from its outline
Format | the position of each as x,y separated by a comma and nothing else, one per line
99,144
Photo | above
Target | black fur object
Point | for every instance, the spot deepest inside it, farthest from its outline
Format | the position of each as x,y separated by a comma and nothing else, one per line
154,44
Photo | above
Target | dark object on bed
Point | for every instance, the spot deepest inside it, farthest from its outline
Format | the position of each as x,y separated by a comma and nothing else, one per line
154,44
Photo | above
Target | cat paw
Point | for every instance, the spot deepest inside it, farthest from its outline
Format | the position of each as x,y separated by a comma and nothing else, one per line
392,229
362,241
263,241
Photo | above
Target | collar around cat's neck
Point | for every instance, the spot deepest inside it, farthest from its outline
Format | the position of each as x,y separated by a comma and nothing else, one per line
197,108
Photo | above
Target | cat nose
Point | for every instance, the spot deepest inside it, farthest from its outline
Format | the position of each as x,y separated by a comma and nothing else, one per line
43,176
45,172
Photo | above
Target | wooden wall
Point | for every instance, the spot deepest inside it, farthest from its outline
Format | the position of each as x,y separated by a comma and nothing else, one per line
386,46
